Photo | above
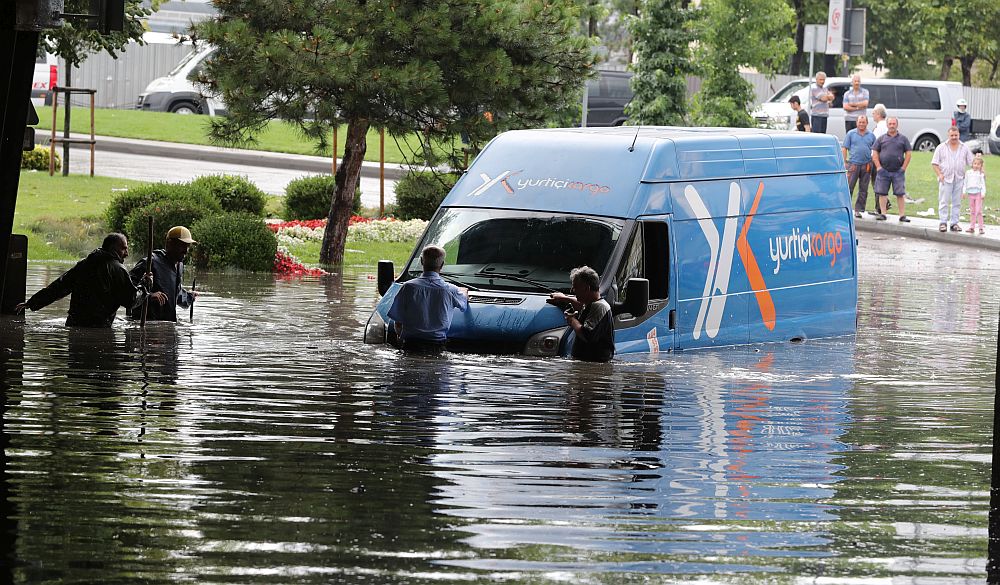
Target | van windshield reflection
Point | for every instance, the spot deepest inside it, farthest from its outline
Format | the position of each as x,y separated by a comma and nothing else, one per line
516,250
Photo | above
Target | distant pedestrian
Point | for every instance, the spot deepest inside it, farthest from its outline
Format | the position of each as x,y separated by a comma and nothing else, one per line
963,120
891,155
819,104
879,116
423,307
167,292
950,160
858,157
98,285
975,190
589,315
855,103
801,117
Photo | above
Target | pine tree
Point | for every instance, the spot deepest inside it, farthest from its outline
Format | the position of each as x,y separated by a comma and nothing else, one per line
443,69
662,46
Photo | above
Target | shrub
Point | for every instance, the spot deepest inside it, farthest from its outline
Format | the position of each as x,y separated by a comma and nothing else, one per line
309,197
237,240
166,214
124,203
419,193
38,159
233,192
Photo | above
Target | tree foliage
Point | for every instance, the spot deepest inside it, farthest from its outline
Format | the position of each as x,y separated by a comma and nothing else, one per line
74,41
662,42
735,34
445,69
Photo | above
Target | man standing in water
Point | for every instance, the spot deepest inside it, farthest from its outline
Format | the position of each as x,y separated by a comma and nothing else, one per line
99,284
589,316
168,271
422,308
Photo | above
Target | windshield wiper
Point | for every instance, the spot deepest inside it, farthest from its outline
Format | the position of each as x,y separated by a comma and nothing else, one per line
537,285
458,282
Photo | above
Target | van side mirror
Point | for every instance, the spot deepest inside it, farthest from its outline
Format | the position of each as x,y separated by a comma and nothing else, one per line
636,298
386,274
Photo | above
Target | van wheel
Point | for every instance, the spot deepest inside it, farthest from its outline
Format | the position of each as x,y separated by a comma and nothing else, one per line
184,108
926,143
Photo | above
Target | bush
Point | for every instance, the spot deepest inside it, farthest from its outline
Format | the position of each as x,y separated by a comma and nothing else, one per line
233,192
38,159
123,204
166,214
419,193
309,198
237,240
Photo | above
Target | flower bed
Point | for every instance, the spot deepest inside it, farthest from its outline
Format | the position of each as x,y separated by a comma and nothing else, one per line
287,265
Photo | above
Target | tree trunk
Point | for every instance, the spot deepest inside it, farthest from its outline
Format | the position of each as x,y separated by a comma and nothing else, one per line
342,202
946,68
967,62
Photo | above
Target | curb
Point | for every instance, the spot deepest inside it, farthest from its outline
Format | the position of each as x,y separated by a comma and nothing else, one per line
275,160
929,233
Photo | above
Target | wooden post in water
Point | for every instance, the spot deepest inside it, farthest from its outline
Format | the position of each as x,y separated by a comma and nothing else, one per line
993,548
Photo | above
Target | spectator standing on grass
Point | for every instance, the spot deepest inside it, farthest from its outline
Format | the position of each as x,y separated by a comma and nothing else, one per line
950,160
819,104
855,103
891,155
975,190
879,127
801,117
858,157
963,120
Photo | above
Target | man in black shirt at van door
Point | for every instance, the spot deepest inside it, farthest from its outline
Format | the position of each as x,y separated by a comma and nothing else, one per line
589,315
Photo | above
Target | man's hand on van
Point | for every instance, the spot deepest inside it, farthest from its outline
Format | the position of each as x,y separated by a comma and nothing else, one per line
562,300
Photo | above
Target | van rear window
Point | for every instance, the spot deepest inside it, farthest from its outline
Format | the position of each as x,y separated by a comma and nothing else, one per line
917,98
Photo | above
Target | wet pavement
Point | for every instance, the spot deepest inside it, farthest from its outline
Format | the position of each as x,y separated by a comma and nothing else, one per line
264,443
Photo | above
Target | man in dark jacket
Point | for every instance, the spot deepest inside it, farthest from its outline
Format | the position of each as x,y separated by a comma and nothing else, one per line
99,284
167,293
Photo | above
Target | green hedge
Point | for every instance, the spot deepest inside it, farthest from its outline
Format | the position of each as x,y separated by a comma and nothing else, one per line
233,192
166,214
309,198
419,193
123,204
237,240
38,159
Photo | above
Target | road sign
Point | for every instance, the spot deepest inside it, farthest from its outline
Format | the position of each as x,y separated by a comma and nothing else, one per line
835,28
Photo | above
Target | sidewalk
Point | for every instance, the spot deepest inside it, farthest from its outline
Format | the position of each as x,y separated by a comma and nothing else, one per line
925,227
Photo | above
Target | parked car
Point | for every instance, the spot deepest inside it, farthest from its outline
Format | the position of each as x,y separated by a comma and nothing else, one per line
924,108
178,91
45,78
994,138
607,97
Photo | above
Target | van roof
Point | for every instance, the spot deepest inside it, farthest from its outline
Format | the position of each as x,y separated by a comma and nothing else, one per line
553,163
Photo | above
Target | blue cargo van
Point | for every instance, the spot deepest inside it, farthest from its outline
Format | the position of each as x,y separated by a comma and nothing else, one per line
702,237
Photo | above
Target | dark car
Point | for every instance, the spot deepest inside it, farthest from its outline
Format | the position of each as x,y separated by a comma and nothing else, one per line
607,97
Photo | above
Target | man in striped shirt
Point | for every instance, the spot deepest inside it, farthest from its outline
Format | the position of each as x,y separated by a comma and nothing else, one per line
855,103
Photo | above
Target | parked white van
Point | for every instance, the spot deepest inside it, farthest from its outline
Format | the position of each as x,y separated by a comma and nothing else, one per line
177,91
45,78
924,108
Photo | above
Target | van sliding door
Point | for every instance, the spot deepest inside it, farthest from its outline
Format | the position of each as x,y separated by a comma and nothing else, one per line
647,256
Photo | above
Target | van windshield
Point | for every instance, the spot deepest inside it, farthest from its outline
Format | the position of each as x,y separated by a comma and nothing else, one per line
787,91
187,59
521,251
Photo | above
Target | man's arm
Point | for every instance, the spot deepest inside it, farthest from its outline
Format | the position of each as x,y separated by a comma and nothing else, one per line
906,160
56,290
875,160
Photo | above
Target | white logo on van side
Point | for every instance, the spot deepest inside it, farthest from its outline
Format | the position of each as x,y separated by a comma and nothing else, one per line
713,299
488,182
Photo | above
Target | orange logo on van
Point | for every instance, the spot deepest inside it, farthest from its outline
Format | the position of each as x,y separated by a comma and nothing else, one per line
756,277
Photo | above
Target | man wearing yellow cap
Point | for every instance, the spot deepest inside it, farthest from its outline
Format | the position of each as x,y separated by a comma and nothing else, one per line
167,292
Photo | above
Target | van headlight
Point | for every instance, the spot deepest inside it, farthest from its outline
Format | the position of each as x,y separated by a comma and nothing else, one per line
545,343
375,329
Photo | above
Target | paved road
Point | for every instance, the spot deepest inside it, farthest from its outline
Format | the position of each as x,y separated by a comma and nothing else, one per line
157,161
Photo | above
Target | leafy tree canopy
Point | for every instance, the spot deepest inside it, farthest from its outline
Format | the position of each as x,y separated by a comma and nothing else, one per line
662,42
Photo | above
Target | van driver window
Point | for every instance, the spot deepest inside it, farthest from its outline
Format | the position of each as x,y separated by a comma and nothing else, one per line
648,257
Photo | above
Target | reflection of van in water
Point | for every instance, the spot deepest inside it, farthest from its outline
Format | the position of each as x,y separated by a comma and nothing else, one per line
176,91
701,236
924,108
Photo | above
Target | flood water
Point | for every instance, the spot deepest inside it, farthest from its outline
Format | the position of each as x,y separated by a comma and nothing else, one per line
264,443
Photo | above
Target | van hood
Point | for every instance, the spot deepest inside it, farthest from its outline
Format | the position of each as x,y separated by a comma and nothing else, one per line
775,115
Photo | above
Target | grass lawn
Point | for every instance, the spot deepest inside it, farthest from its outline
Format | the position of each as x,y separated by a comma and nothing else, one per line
278,137
63,218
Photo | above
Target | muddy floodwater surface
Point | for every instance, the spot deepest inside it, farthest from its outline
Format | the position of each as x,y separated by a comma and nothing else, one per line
264,443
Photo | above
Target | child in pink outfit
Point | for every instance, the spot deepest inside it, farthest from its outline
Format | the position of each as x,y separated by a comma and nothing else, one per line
975,190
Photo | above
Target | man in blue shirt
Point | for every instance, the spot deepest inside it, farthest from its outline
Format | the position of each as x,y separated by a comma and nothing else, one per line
422,309
858,157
